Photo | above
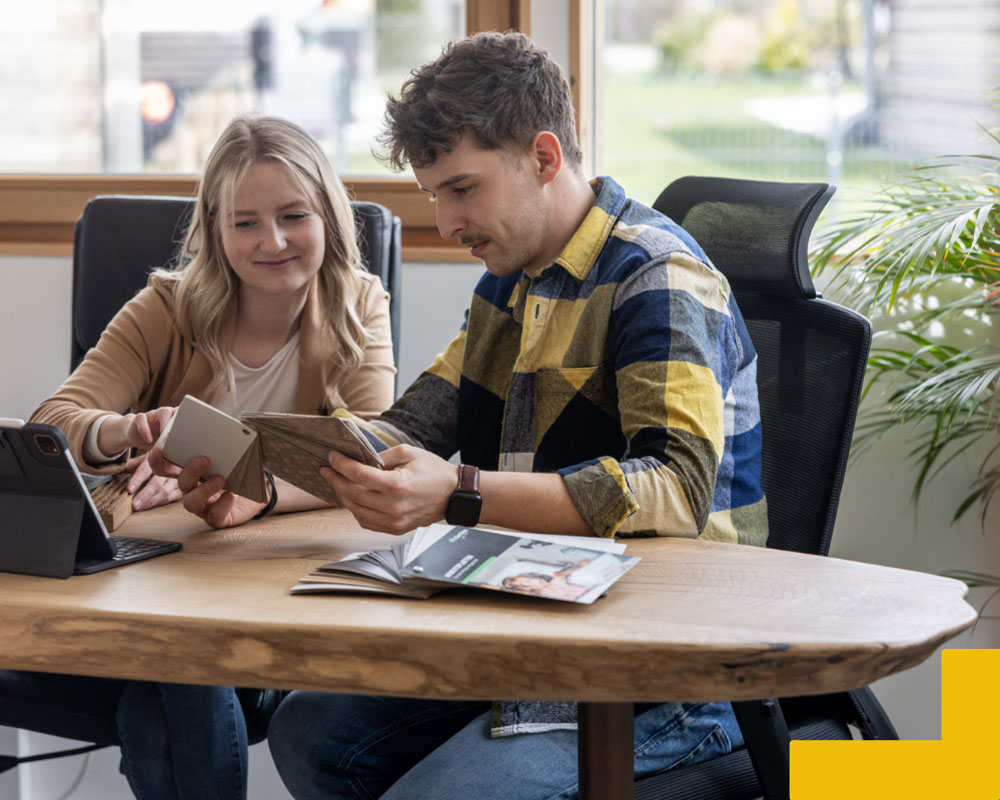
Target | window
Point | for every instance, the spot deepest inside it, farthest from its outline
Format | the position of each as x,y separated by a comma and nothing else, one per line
121,86
843,91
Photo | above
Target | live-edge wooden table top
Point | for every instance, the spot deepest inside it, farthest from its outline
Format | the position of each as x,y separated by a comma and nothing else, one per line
692,621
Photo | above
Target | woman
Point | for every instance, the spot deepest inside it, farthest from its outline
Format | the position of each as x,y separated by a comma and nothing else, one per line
269,310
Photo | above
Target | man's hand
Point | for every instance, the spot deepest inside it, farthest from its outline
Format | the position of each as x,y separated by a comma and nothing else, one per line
132,430
207,499
411,491
150,490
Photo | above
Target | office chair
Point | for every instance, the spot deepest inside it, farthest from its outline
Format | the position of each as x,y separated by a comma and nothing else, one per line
117,241
811,364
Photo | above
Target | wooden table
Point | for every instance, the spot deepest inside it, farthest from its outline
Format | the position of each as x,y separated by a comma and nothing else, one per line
692,621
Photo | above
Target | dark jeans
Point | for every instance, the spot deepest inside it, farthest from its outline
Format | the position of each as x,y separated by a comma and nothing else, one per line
178,742
359,747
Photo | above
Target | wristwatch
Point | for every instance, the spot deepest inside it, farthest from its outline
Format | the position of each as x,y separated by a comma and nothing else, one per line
466,502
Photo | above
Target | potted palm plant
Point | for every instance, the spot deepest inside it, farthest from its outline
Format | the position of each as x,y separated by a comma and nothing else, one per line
920,257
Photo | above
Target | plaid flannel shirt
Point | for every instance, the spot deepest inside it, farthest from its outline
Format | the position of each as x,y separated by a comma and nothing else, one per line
625,366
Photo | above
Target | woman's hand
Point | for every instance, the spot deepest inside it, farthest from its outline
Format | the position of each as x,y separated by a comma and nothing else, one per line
132,430
149,490
207,499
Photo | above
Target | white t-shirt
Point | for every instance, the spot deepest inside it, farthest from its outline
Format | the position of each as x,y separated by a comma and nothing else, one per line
270,387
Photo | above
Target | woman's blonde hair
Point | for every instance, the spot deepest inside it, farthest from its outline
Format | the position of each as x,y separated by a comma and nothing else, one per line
205,284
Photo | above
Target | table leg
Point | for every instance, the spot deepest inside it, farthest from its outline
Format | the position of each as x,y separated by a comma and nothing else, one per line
765,734
605,737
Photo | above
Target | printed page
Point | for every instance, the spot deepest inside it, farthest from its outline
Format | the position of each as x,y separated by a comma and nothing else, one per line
422,538
567,569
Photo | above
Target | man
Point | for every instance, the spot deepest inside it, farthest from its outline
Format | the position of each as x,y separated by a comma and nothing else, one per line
603,383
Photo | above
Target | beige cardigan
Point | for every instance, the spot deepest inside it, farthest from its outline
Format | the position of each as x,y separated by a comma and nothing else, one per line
143,360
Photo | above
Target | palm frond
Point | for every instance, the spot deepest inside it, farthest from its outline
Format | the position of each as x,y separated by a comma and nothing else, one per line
924,251
924,230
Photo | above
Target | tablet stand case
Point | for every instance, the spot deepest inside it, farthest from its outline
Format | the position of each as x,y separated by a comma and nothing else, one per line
47,523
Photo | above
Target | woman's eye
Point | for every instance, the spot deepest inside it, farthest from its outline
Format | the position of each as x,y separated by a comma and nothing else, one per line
295,217
243,224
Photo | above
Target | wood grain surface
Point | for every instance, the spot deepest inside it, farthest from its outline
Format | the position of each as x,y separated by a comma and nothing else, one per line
692,621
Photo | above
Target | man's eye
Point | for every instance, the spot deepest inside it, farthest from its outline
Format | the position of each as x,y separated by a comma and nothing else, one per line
461,190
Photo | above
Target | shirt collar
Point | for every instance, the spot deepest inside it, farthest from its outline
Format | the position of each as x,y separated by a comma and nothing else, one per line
585,246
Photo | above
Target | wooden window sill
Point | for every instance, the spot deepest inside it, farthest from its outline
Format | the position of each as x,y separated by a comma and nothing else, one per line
38,212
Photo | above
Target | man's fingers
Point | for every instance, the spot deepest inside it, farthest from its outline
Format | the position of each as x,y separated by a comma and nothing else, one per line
397,456
375,519
356,472
372,509
342,485
345,465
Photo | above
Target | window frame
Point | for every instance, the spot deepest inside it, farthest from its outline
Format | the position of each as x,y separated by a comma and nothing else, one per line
38,212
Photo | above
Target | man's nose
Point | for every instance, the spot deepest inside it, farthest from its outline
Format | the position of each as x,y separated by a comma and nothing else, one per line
449,223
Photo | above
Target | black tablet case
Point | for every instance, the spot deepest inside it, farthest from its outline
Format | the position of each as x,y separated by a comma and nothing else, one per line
48,522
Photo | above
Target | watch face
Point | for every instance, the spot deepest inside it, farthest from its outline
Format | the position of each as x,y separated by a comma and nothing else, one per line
463,509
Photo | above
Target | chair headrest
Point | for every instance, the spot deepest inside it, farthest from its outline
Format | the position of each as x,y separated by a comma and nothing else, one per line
755,232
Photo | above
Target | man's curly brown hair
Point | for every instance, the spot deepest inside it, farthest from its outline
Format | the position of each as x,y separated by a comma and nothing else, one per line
499,88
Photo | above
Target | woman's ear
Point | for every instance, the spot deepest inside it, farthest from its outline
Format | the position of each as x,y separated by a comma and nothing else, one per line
546,154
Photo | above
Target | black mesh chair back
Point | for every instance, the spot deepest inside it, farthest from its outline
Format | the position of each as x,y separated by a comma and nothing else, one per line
811,362
811,353
120,239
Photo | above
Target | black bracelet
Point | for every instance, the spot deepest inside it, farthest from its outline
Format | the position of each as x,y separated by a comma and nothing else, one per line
274,497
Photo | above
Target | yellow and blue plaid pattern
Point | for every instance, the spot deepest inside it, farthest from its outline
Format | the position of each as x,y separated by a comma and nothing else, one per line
624,365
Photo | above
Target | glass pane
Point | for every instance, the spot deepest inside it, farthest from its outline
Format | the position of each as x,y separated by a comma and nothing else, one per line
129,85
843,91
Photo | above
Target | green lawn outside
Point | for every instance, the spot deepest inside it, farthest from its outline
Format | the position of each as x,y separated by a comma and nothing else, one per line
661,127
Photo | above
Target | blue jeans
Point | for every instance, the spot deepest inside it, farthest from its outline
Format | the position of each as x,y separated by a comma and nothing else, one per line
356,747
178,742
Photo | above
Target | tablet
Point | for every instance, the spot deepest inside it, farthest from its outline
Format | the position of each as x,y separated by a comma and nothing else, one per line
49,524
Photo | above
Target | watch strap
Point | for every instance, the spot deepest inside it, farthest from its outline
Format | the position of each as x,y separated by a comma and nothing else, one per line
468,479
465,503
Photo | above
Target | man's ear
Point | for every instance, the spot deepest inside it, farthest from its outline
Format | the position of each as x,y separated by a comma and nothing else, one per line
546,155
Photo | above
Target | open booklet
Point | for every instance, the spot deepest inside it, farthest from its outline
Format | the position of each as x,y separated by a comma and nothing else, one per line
291,446
438,557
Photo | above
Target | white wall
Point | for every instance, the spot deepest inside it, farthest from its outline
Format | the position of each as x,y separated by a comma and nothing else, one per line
34,330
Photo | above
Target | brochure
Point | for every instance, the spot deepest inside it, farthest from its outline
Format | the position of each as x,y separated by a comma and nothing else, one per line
570,568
